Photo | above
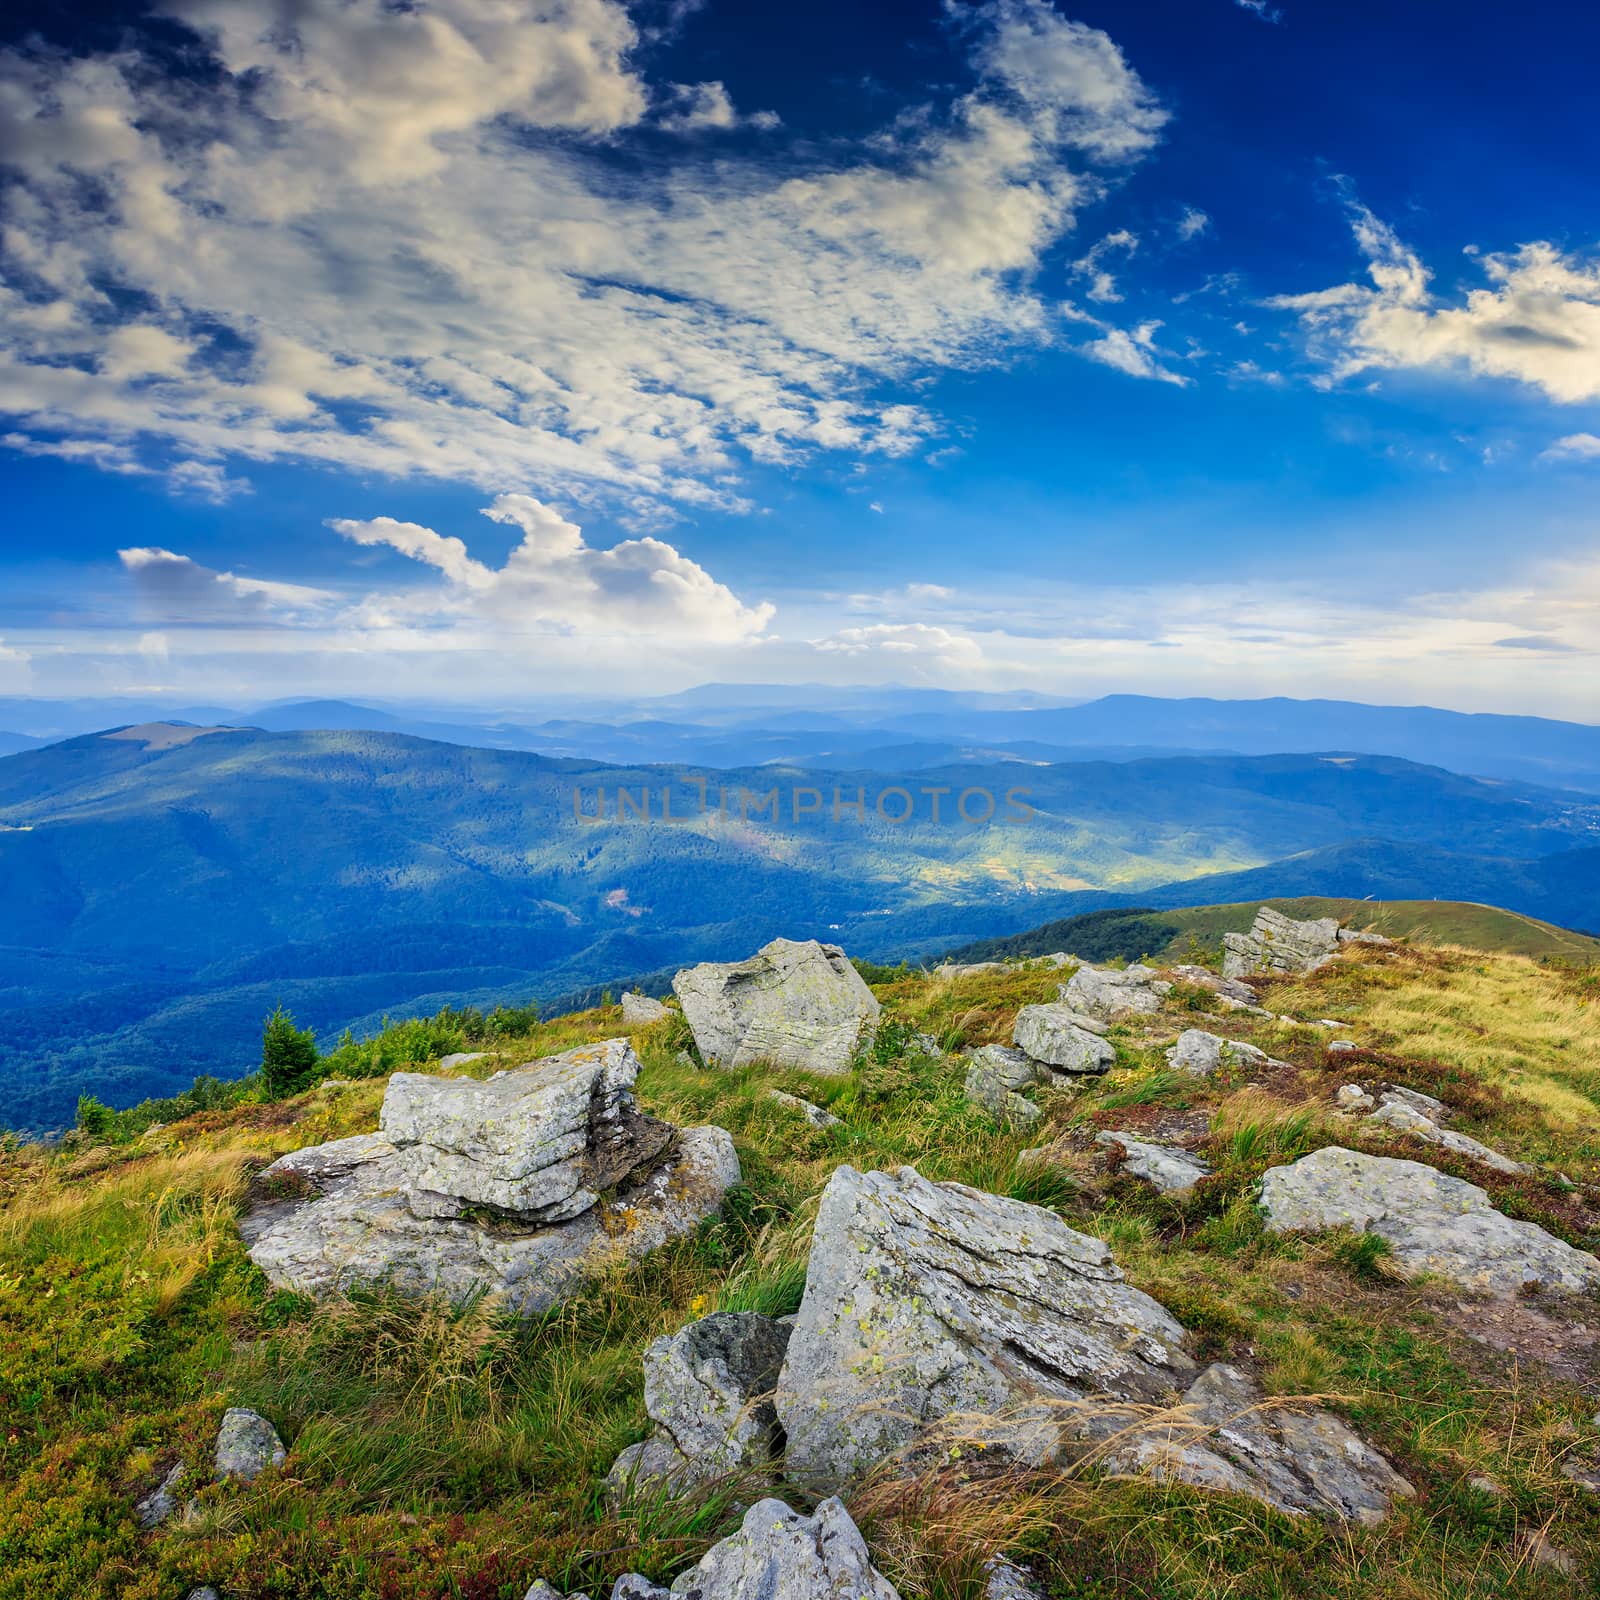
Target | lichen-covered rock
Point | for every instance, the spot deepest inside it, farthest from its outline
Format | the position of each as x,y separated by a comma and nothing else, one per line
641,1010
1201,1054
1230,1438
1431,1221
816,1115
592,1180
1403,1116
460,1058
795,1003
995,1075
1279,944
1005,1580
708,1389
1055,1035
777,1555
1232,992
247,1444
162,1501
1109,992
1353,1098
931,1301
1163,1166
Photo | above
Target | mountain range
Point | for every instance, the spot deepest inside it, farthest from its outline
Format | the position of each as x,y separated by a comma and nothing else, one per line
168,885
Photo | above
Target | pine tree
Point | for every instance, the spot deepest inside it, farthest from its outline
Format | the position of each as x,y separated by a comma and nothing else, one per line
288,1056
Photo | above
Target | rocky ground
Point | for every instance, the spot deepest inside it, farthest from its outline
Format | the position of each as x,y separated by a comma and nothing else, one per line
1010,1280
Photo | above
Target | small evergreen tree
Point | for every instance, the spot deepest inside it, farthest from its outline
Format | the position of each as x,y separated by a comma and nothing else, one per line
288,1056
94,1118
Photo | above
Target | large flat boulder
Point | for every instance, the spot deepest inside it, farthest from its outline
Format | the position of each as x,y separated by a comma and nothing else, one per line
450,1199
1432,1222
1279,944
932,1301
1059,1038
1110,992
795,1003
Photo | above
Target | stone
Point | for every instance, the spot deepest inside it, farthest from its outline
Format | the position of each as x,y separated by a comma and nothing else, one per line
777,1554
1279,944
1363,936
1433,1110
923,1044
793,1004
537,1143
1227,1436
204,1592
956,969
814,1114
1109,992
641,1010
1403,1116
928,1301
1431,1221
469,1205
1342,1047
1162,1166
1230,989
162,1501
708,1389
247,1444
540,1590
1352,1097
995,1074
1201,1054
460,1059
1055,1036
1005,1580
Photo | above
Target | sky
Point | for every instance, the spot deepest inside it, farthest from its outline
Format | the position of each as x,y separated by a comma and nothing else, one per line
493,350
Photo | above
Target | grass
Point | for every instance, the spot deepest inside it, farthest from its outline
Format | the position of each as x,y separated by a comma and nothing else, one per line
449,1450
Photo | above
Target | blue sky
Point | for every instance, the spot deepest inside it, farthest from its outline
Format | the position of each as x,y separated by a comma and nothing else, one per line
1192,347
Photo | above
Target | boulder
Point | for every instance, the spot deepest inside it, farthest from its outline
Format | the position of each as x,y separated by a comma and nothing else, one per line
1162,1166
777,1554
816,1115
1228,1436
1108,992
460,1059
247,1444
1231,991
1403,1116
641,1010
162,1501
1005,1580
793,1004
995,1076
708,1389
1353,1098
1055,1036
932,1301
520,1185
1432,1222
1279,944
1201,1054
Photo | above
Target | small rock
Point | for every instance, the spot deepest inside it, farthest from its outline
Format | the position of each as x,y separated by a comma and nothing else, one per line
1005,1580
792,1004
1586,1474
1201,1054
1352,1097
204,1592
641,1010
1164,1167
1484,1484
1052,1034
161,1502
1433,1110
814,1114
460,1059
1342,1047
540,1590
1404,1117
247,1444
1545,1554
994,1075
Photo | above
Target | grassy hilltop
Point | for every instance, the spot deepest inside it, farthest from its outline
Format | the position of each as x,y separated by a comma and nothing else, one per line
440,1450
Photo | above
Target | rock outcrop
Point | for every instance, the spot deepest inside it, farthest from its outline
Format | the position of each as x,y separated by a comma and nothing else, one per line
777,1554
1060,1038
640,1010
708,1388
793,1004
996,1076
519,1185
1163,1166
1230,992
247,1444
1227,1436
1111,992
1431,1222
1202,1054
928,1303
1279,944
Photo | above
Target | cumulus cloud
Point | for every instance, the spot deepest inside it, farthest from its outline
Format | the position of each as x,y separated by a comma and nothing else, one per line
555,579
173,589
911,644
1134,351
1574,447
699,106
1193,223
1260,8
1538,323
396,239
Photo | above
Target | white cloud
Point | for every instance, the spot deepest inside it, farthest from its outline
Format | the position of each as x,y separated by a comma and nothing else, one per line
917,645
1539,324
174,589
1262,9
1574,447
1193,223
1133,351
394,239
556,580
695,107
1102,284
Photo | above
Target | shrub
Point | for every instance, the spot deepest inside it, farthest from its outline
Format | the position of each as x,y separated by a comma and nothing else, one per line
94,1118
288,1056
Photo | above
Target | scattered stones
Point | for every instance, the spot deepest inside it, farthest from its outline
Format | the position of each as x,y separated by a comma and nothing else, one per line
1164,1167
925,1301
161,1502
1229,1437
460,1059
641,1010
814,1114
708,1389
1584,1473
1402,1114
520,1185
1353,1098
1278,944
1056,1036
540,1590
1432,1222
778,1555
1109,992
1202,1054
793,1004
247,1444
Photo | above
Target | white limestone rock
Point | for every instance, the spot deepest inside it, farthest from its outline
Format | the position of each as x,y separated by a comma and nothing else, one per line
1054,1035
1162,1166
1110,992
641,1010
1279,944
1402,1115
816,1115
1202,1054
